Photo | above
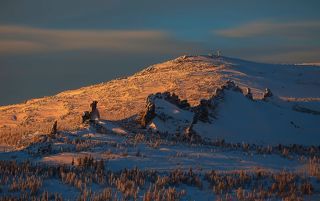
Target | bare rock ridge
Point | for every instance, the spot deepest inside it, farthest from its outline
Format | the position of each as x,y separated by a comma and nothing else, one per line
203,112
149,113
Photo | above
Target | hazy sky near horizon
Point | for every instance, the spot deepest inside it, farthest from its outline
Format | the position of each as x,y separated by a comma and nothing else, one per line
50,46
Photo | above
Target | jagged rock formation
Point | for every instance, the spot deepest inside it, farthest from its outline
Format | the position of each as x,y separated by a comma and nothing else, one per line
165,111
148,114
93,115
54,129
267,94
207,106
217,97
93,118
171,98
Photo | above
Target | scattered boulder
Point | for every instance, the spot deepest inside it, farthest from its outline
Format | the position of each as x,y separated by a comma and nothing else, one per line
85,116
267,94
14,117
249,94
231,85
218,91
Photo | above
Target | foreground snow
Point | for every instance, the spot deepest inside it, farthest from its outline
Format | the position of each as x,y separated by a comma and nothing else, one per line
164,156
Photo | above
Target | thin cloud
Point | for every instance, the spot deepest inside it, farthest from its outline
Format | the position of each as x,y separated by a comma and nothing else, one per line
13,46
302,30
278,54
293,56
19,39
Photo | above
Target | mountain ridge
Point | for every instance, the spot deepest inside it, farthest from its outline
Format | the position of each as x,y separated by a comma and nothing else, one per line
190,77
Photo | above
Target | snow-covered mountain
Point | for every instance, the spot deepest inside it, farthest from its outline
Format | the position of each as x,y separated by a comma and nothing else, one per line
290,116
193,128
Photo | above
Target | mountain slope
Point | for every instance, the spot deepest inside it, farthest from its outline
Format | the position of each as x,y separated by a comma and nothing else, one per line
239,119
190,77
236,117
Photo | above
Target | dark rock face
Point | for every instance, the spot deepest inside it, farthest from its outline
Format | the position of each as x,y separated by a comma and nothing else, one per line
267,94
14,118
94,114
202,111
171,98
148,114
54,128
85,116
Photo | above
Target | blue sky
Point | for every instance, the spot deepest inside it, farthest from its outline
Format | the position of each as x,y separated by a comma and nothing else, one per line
50,46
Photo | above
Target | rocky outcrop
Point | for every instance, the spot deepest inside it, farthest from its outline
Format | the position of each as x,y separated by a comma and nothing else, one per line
93,115
231,86
85,116
249,94
171,98
182,58
149,113
267,94
54,130
202,110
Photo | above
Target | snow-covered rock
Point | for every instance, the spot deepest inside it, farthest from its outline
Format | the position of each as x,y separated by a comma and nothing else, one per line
231,115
